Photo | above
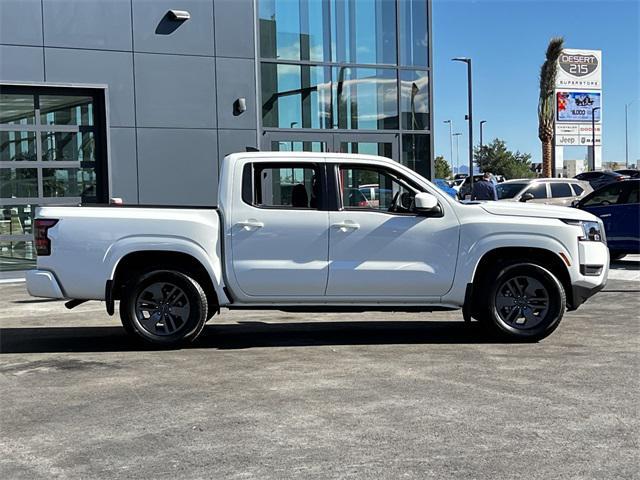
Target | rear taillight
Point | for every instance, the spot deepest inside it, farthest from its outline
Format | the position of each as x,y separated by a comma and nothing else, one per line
41,228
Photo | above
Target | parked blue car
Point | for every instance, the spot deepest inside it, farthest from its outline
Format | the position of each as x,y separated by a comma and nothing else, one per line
444,186
618,206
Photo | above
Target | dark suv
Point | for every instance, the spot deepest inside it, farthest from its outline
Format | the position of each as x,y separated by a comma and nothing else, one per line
600,178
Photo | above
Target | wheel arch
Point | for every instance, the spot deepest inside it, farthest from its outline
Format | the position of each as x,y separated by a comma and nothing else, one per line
133,262
543,257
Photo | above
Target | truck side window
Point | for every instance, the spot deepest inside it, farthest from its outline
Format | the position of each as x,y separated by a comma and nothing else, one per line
284,186
371,188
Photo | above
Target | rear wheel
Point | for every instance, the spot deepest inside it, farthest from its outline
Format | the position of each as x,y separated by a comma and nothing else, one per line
164,307
522,301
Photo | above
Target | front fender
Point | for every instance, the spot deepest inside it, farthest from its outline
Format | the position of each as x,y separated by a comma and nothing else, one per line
471,253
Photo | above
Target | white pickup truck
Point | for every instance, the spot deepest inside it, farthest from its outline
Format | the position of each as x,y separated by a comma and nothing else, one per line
296,231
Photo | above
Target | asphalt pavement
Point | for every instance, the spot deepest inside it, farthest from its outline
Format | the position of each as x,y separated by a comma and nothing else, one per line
272,395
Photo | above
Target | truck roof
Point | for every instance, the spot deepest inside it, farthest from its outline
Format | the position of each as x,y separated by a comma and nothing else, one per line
318,156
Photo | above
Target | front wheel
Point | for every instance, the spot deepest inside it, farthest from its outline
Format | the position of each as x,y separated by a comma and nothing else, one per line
526,301
164,307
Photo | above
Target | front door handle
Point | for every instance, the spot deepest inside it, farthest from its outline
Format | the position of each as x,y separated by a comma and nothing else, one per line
249,224
605,215
347,225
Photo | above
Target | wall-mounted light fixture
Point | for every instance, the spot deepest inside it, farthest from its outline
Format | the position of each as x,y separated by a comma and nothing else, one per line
180,15
239,106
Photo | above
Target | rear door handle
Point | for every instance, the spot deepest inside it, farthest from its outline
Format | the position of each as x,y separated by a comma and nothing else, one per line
348,225
249,224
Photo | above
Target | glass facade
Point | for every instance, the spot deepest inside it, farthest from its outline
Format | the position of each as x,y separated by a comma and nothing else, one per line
52,150
331,69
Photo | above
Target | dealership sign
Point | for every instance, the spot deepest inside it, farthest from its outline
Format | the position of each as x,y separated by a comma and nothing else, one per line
578,98
579,69
577,106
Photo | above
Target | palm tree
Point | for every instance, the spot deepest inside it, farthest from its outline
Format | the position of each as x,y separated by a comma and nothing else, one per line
545,103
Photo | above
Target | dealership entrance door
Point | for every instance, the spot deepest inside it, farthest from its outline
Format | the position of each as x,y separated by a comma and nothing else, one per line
385,145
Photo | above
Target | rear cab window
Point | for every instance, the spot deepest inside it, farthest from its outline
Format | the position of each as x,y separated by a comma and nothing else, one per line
293,185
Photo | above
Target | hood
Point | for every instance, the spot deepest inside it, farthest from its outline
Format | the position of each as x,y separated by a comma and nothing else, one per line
519,209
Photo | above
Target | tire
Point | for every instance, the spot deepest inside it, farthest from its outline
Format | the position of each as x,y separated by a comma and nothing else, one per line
164,307
616,255
525,302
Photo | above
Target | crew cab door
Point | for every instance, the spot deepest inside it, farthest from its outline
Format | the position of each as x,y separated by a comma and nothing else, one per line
279,230
380,248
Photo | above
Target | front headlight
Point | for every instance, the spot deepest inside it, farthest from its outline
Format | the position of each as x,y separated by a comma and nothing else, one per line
591,231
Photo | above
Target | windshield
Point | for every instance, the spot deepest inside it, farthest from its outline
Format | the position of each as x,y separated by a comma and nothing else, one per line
509,190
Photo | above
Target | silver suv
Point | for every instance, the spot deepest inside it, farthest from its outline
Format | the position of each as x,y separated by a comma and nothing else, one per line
551,191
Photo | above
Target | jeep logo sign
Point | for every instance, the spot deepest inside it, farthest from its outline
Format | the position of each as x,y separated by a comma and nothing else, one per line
578,65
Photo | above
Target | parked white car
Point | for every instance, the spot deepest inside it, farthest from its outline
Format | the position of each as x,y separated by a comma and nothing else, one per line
548,191
285,236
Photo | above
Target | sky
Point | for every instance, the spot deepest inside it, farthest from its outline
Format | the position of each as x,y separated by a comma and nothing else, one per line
507,41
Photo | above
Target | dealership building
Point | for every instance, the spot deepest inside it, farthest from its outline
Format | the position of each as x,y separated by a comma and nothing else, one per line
142,99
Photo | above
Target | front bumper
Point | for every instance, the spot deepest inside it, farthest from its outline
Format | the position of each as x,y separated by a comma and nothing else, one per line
582,294
41,283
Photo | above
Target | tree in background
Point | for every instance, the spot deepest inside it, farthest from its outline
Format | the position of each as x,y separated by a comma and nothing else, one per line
545,103
441,167
496,158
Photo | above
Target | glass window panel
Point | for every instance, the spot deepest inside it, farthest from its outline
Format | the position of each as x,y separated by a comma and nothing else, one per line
539,190
17,109
414,100
416,153
16,255
285,146
69,182
68,146
364,31
372,188
16,219
607,196
66,110
368,148
365,98
18,182
290,186
414,35
18,146
560,190
294,29
577,189
296,96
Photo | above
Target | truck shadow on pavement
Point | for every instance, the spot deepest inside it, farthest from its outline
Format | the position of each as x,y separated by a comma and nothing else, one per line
245,335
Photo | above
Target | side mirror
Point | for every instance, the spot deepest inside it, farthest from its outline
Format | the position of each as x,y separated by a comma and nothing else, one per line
575,203
425,203
526,197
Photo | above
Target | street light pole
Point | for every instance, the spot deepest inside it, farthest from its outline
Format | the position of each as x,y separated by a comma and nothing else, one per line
593,137
470,113
626,135
481,125
457,152
450,141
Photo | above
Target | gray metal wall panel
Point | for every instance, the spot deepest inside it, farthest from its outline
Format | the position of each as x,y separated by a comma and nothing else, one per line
175,91
21,22
88,24
22,64
234,28
178,166
236,79
231,141
123,164
99,67
155,31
